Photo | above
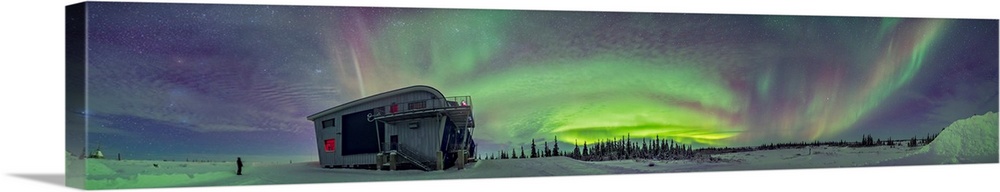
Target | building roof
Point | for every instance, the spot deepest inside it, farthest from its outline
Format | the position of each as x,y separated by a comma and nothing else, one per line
415,88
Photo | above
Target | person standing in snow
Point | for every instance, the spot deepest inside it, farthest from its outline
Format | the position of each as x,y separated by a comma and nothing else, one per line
239,166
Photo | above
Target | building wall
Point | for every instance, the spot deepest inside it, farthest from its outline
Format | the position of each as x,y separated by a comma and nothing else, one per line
424,140
336,158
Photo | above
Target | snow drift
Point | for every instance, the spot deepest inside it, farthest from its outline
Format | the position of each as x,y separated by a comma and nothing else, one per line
971,140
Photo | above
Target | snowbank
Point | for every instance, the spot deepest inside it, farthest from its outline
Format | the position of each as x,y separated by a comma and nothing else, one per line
971,140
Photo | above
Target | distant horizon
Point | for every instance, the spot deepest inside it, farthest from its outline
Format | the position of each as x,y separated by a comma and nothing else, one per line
567,147
482,151
277,158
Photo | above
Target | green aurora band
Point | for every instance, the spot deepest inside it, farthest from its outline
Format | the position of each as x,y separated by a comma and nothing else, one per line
594,76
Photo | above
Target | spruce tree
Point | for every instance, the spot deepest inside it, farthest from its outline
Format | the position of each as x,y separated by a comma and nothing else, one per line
656,145
628,145
595,149
555,146
548,153
576,150
522,152
643,150
585,149
671,146
663,146
534,151
620,148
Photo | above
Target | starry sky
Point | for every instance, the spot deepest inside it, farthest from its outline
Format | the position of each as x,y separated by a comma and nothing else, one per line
177,81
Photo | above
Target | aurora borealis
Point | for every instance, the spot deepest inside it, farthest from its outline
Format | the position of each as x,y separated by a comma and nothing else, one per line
168,79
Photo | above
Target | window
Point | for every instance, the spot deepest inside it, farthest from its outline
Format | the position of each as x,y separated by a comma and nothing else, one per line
328,123
331,145
417,105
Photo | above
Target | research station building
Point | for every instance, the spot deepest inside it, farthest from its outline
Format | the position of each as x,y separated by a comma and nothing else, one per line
415,126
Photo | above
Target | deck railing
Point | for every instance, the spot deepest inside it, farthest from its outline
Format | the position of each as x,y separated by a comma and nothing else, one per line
421,105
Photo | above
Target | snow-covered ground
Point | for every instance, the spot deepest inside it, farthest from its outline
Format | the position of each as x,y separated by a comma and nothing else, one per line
973,140
111,174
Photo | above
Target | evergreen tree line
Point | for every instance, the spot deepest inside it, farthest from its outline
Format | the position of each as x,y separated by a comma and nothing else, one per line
866,141
626,148
534,153
603,150
668,149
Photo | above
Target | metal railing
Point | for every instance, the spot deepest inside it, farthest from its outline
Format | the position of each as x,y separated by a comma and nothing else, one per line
414,154
400,148
422,105
415,158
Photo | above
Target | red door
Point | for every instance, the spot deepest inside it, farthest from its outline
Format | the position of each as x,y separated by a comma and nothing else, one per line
330,145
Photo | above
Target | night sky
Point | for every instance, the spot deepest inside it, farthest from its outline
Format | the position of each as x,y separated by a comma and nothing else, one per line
177,81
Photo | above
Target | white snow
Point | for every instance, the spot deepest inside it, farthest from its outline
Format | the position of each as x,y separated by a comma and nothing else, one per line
820,157
112,174
972,140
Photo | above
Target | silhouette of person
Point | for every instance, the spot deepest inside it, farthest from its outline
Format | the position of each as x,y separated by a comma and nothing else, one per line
239,166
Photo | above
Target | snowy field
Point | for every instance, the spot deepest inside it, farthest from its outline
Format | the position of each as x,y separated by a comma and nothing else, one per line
972,140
